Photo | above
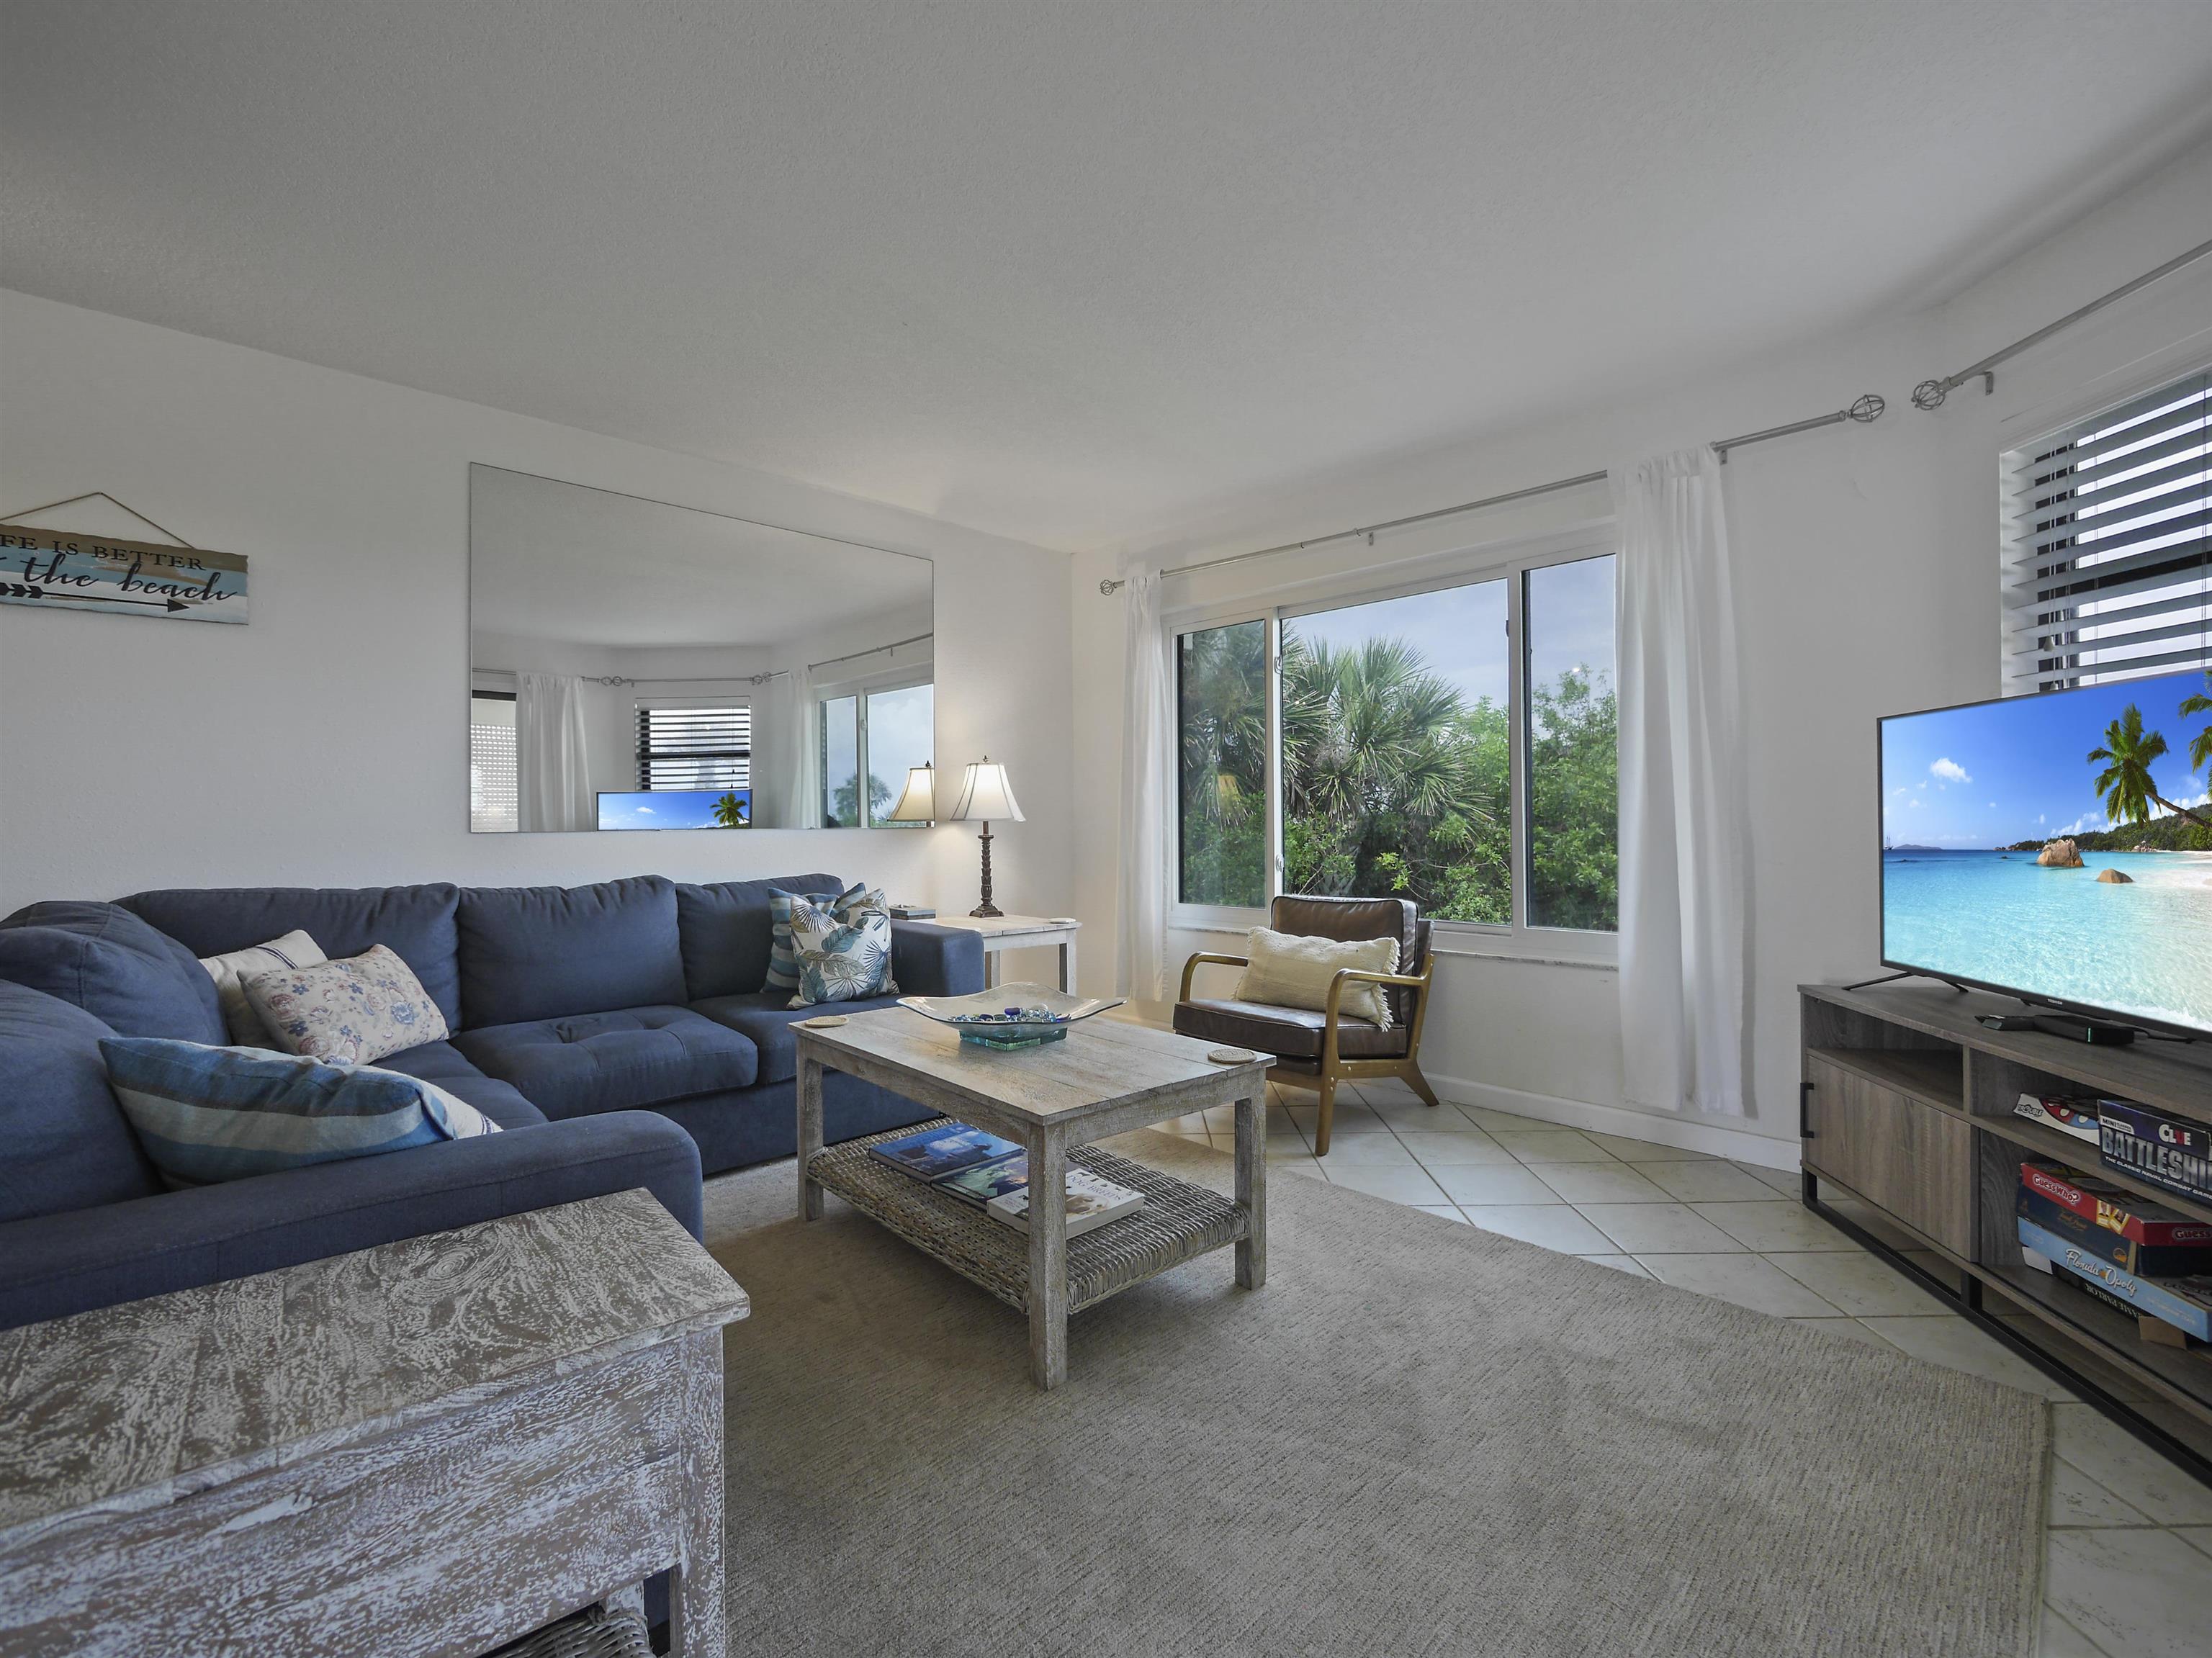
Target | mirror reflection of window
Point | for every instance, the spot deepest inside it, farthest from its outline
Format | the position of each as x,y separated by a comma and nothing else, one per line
491,763
900,726
841,763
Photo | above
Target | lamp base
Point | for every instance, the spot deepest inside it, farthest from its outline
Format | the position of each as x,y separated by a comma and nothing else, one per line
986,909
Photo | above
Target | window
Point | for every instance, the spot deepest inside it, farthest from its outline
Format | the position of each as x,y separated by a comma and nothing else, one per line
1221,699
1398,745
2108,568
691,745
1572,740
493,774
879,734
1396,752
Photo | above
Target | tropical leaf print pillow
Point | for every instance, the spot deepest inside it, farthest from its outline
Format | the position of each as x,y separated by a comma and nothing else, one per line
840,960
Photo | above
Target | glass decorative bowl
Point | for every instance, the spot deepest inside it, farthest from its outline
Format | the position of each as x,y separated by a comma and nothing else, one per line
1010,1015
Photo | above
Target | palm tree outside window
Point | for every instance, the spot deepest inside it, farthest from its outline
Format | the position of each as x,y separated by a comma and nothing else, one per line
1455,744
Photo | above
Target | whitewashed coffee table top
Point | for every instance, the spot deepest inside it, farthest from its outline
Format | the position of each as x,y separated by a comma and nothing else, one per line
135,1406
1102,1063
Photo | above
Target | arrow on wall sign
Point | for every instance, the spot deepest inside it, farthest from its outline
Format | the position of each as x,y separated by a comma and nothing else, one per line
19,590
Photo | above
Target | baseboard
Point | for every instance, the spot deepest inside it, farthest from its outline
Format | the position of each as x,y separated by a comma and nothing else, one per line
1738,1143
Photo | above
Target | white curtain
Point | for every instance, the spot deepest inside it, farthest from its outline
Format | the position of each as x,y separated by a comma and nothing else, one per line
1147,740
553,778
803,770
1684,813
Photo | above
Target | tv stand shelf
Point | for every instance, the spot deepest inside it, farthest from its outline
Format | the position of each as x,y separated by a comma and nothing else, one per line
1907,1120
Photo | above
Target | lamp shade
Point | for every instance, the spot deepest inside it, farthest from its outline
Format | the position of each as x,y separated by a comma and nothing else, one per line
986,793
917,802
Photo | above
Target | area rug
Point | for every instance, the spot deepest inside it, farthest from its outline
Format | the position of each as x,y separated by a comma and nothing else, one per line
1417,1438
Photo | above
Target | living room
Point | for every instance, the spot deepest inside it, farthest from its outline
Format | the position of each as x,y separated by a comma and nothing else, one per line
1028,410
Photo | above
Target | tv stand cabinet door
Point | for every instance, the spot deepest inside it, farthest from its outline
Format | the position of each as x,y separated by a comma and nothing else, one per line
1899,1154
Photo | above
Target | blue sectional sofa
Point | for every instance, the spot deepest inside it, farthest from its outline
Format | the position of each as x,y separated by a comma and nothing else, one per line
620,1031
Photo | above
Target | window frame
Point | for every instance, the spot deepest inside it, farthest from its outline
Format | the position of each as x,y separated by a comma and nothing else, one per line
860,688
1508,561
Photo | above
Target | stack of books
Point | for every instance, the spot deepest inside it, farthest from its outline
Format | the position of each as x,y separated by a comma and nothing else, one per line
994,1175
2135,1256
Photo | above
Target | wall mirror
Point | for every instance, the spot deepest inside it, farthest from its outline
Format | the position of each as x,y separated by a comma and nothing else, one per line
635,666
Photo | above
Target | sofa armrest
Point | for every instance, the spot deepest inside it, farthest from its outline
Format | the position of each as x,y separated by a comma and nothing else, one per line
929,960
56,1265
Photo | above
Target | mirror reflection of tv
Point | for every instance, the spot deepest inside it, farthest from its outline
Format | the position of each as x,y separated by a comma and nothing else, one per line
2058,848
676,809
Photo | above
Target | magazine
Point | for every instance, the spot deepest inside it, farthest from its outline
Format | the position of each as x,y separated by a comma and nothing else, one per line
986,1181
1092,1201
944,1149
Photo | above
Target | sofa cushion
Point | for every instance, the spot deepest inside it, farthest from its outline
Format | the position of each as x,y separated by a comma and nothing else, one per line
613,1061
102,959
765,1020
67,1144
1291,1032
209,1115
537,953
1360,918
416,923
723,930
445,1065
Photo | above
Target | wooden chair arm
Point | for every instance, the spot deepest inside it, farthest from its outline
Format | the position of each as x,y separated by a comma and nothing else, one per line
1191,966
1345,975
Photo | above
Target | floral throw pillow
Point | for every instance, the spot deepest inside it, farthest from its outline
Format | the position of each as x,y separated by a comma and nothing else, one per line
840,961
356,1011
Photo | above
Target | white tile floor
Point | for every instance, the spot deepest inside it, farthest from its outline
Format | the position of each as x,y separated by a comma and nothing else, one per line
2129,1557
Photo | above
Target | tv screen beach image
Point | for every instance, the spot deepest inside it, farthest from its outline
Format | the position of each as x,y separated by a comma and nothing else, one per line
2059,846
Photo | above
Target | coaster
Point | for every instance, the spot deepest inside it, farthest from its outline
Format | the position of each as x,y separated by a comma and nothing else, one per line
821,1022
1232,1056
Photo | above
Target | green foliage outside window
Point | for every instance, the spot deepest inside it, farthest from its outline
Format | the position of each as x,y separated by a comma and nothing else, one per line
1395,783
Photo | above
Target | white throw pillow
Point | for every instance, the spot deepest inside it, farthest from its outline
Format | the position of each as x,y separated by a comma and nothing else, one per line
1287,970
230,972
354,1011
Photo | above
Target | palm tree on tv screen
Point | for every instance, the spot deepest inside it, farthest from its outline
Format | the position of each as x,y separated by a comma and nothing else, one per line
2129,791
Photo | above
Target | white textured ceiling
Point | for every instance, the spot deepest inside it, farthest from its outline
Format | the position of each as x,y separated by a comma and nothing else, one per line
1065,272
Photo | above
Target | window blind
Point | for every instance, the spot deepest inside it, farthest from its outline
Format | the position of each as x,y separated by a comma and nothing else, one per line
695,748
2108,566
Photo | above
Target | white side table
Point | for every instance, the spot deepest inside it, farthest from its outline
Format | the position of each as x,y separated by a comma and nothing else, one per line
1022,932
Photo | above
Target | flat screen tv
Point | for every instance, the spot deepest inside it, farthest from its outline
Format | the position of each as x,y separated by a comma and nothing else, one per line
2058,848
673,809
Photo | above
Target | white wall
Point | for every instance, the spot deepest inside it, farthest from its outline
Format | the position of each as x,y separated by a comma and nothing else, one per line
326,740
1868,562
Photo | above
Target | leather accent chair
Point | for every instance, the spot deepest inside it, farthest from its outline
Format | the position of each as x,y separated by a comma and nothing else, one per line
1319,1050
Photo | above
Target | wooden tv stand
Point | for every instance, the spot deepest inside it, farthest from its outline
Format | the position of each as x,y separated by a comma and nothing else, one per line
1911,1144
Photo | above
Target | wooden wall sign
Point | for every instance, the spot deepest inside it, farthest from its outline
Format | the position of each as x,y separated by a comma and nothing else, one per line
60,570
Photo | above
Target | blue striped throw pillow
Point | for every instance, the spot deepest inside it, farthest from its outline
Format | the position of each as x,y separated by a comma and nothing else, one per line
205,1115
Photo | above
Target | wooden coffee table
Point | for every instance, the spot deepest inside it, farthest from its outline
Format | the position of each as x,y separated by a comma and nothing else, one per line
1106,1078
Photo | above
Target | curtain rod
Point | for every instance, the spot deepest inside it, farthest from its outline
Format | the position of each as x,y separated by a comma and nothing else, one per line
1866,409
1929,394
733,678
1369,531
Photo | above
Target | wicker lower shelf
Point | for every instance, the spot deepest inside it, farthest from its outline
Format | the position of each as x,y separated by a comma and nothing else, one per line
1177,1222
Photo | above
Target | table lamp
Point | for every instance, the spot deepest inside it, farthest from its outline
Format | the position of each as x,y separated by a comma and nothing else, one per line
985,794
917,802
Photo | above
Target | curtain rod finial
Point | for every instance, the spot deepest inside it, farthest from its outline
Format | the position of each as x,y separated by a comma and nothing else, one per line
1110,588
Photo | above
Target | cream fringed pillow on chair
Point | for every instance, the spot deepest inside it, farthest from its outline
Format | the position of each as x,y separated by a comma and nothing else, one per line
1288,969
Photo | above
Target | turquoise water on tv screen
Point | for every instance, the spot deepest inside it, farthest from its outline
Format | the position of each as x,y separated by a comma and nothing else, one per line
2144,949
1970,798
